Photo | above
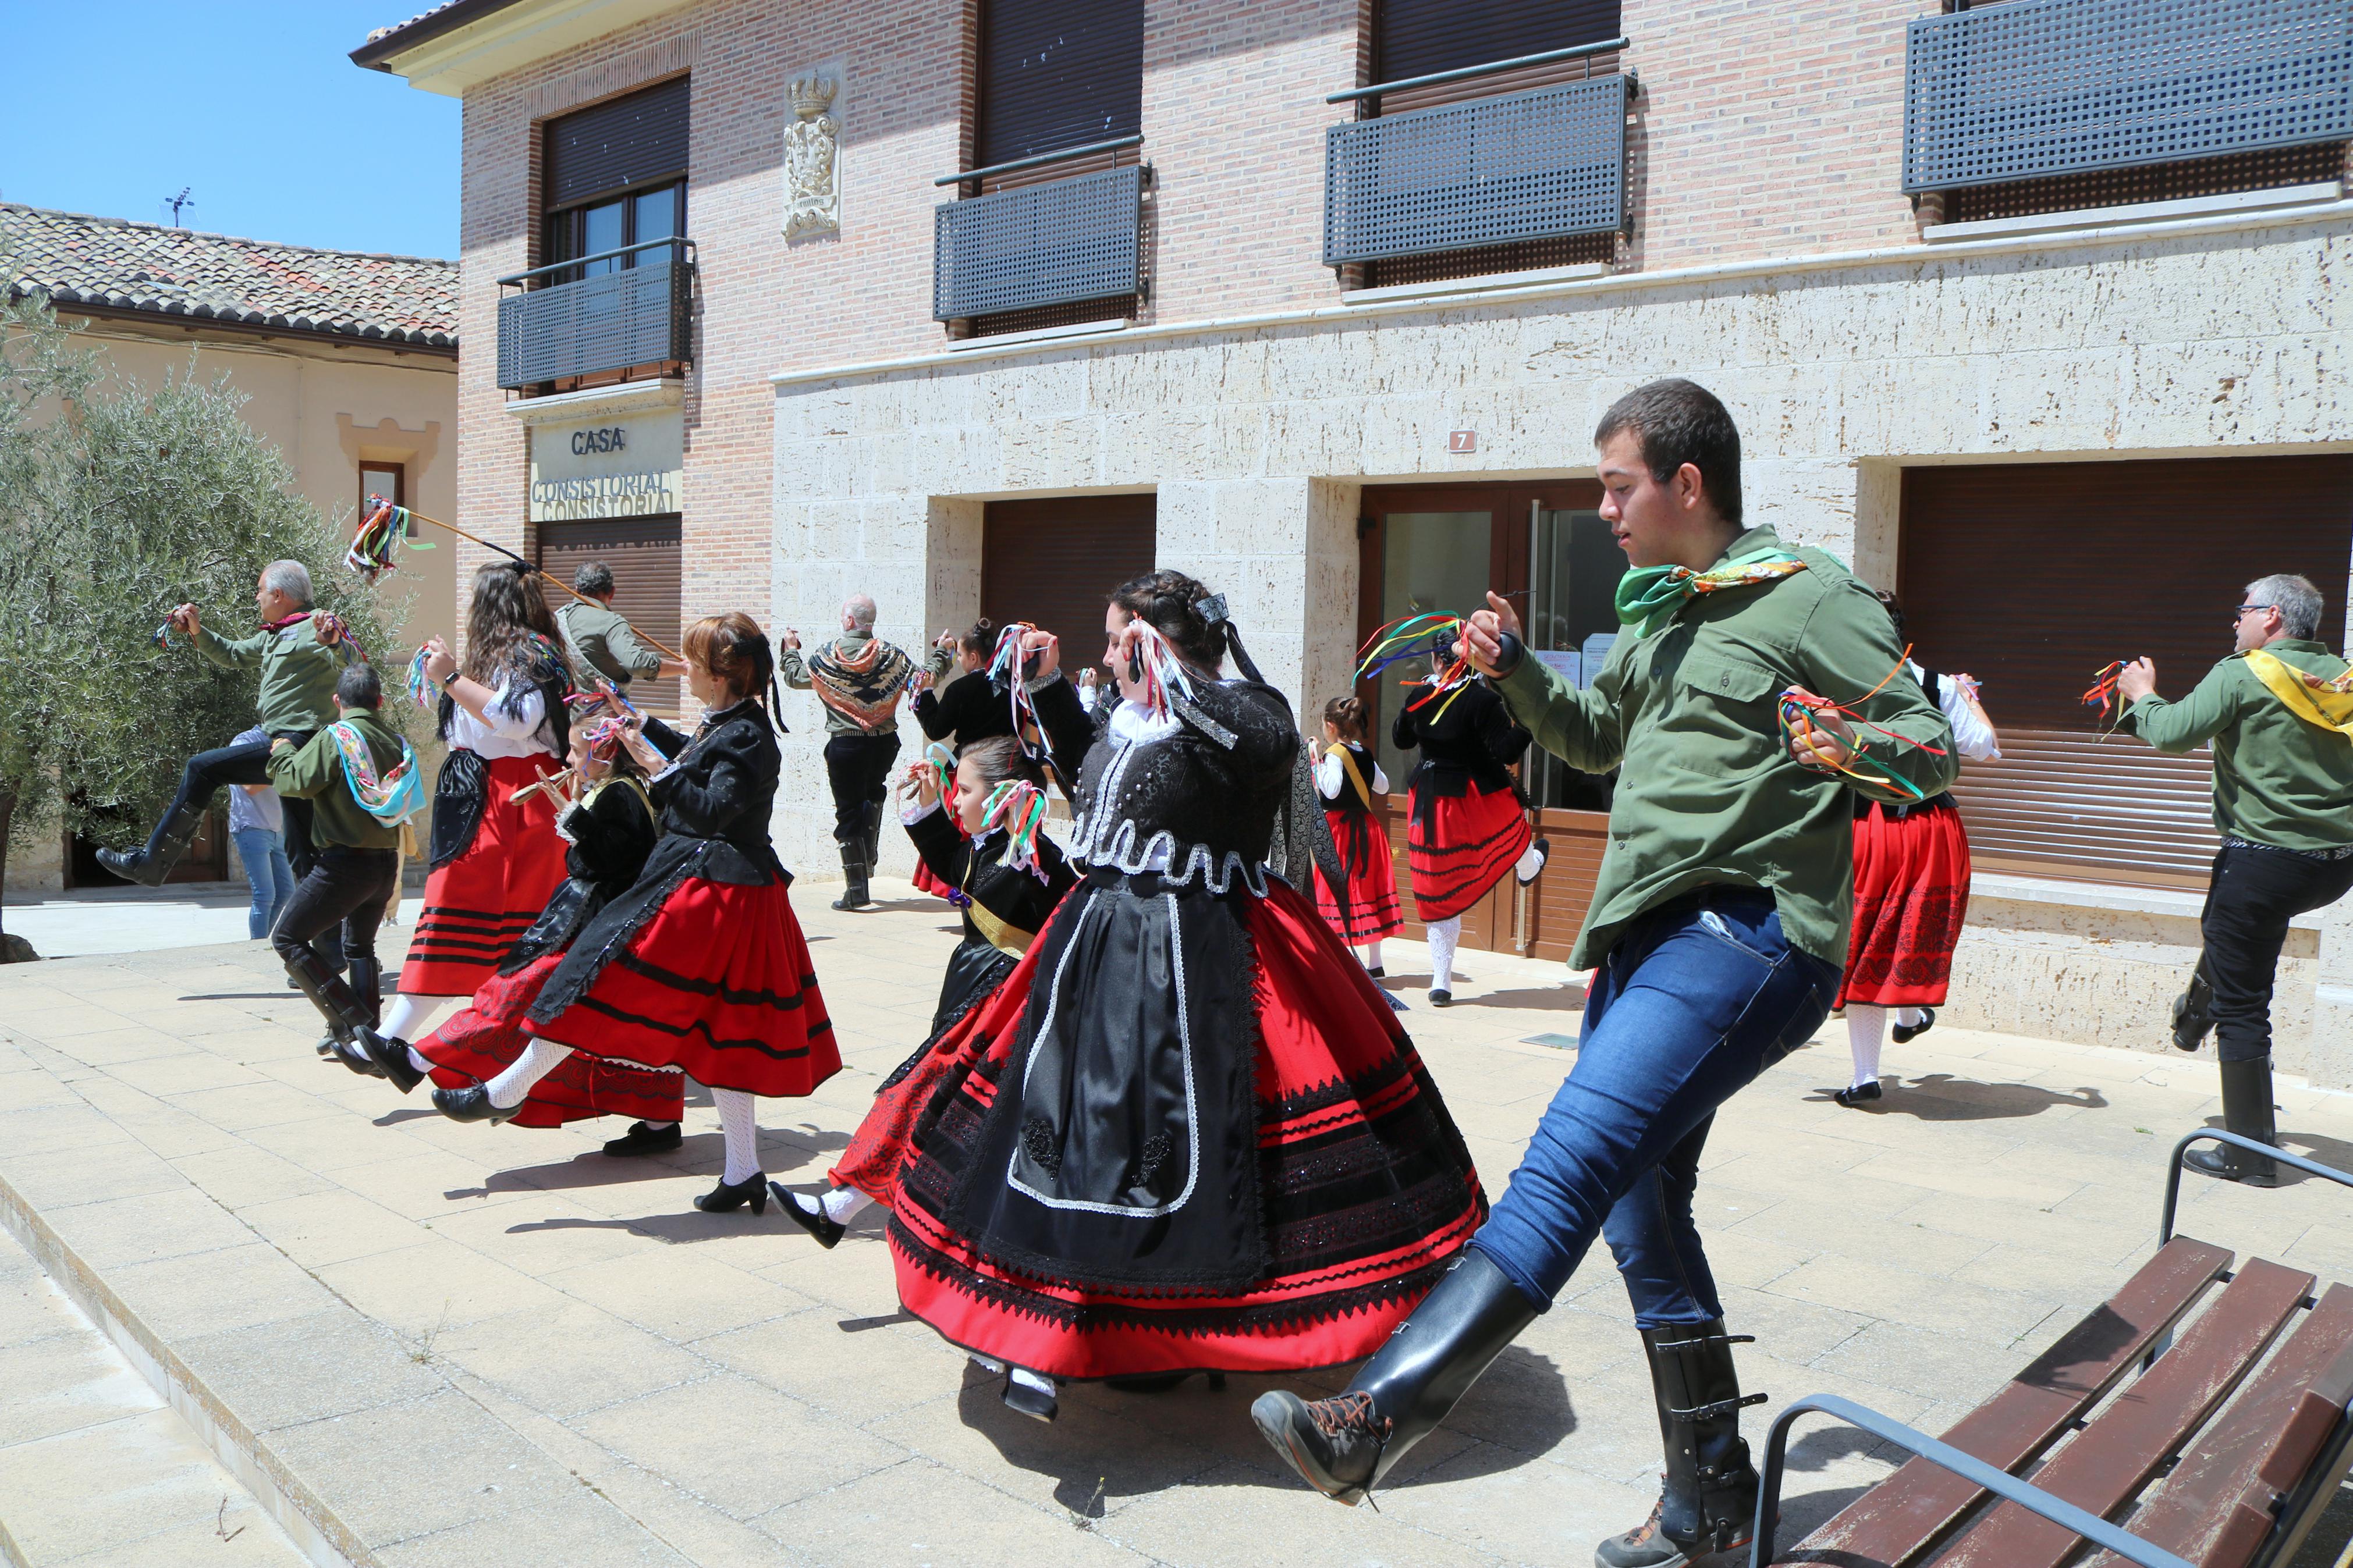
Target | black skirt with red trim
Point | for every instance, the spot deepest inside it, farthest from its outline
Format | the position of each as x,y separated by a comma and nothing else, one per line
1459,847
484,1039
1911,895
716,983
1370,912
478,904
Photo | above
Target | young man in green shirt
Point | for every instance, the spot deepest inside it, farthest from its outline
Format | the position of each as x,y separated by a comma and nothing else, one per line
2283,805
1719,929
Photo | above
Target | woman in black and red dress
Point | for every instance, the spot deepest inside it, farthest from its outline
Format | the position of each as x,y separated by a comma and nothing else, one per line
701,966
1196,1138
1467,823
1347,777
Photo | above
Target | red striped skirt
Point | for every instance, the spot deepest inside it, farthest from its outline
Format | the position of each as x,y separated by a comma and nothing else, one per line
483,1041
1371,913
477,905
1458,846
717,983
1911,894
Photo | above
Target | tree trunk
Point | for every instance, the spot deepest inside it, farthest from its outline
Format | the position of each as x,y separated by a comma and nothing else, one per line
7,815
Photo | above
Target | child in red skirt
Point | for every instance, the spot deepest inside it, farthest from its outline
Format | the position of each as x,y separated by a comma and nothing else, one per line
701,966
1347,776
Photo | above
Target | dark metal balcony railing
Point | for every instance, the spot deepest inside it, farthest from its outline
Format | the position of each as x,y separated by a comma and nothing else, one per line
613,311
1049,244
2039,88
1538,164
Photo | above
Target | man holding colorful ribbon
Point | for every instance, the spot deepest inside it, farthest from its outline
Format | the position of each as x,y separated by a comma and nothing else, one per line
2280,717
1718,924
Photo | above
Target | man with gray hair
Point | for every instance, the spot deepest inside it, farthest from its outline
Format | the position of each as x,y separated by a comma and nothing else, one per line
860,679
2283,744
603,640
300,652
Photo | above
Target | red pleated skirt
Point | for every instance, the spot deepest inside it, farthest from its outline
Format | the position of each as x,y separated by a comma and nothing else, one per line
719,984
1911,894
886,1137
1371,913
1458,846
1341,1093
477,905
484,1039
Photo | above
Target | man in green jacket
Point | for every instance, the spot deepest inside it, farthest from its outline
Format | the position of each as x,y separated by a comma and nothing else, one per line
2283,805
357,781
1719,929
300,654
603,640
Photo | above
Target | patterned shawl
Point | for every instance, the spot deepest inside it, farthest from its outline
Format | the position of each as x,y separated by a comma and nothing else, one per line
863,682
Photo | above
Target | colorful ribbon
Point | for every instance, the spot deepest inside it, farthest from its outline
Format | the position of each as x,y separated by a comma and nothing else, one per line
1438,638
379,536
1154,665
1018,807
1649,596
2102,694
936,767
397,795
1005,666
1800,715
420,688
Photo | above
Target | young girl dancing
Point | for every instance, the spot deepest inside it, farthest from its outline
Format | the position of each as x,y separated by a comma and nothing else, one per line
1348,777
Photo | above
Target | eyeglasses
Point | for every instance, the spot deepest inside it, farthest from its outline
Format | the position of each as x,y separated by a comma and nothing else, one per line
2246,610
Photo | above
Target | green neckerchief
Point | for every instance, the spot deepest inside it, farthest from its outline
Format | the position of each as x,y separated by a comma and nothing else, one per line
1649,596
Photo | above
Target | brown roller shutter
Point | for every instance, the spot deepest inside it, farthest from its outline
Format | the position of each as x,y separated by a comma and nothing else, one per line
634,141
2032,576
1415,38
1057,74
1055,563
644,557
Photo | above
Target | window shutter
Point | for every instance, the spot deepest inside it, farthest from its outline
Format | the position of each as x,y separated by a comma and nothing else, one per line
645,556
631,141
1416,37
1057,74
1055,563
2032,576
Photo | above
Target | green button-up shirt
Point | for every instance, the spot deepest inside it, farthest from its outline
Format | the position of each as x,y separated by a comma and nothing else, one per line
607,643
2278,779
298,673
314,772
1708,792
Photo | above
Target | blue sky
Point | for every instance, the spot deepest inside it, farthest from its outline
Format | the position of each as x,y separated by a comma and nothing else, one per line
253,105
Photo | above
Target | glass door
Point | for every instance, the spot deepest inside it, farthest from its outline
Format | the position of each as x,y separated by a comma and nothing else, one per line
1570,618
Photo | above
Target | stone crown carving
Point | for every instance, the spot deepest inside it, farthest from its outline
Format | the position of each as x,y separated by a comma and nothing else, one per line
813,159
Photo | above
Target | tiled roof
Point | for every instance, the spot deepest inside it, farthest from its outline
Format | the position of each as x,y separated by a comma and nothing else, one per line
113,264
431,22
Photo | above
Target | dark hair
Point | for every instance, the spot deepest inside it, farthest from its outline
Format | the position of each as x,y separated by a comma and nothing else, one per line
1680,422
980,640
999,758
1894,611
595,580
1172,602
359,685
1347,714
507,608
734,649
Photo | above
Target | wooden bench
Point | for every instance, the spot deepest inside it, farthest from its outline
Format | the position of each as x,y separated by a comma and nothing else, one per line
2212,1480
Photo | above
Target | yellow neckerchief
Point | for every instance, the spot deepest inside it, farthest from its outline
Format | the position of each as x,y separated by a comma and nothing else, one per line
1001,935
1349,766
2330,711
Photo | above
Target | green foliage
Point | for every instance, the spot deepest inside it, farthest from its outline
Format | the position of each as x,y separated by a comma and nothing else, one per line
115,505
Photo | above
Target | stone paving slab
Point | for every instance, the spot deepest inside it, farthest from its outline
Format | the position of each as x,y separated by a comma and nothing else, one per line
445,1343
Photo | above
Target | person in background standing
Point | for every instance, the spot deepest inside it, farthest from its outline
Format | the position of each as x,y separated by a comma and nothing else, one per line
257,821
602,641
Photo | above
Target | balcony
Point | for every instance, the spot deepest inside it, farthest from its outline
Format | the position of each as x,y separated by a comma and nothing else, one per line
2042,88
616,311
1056,242
1545,164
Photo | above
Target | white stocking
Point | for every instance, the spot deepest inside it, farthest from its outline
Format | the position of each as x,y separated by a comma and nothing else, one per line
401,1014
1442,935
1036,1380
1530,862
843,1203
1911,1018
1371,952
1864,1028
740,1126
538,1059
418,1061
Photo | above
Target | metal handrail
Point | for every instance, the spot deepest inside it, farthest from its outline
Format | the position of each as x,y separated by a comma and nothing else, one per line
2240,1140
1462,73
1031,161
600,255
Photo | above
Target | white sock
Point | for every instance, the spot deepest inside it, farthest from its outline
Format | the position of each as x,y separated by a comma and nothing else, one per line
1911,1018
740,1127
1442,935
1372,953
538,1059
1036,1380
418,1061
844,1204
1864,1028
401,1014
1528,863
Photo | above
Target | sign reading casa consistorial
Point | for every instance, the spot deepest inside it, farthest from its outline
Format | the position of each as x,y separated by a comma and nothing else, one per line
607,465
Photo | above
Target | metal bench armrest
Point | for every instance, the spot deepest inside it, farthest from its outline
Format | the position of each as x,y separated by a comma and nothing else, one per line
2026,1494
2173,1174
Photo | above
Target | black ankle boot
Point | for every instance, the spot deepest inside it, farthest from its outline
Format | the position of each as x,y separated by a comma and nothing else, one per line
726,1198
1342,1446
309,975
2193,1010
471,1103
2246,1111
149,866
1707,1496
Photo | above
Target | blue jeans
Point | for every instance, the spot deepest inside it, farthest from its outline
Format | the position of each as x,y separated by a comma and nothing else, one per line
269,873
1697,997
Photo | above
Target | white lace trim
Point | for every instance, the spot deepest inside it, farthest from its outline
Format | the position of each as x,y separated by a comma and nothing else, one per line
1092,847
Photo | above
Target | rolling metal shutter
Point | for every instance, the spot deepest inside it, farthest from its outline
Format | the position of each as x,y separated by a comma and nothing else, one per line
1415,38
645,556
1055,563
2032,576
633,140
1057,74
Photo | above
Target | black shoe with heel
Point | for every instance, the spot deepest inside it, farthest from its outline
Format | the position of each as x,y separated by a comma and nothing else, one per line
471,1103
644,1138
814,1220
727,1197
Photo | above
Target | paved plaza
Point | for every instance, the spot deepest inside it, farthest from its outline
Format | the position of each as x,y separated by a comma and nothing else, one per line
257,1310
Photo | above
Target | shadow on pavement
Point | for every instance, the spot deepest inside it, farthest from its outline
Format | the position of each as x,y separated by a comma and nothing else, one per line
700,1152
1941,1097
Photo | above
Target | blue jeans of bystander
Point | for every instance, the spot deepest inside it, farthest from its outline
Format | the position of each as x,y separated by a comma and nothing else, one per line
268,873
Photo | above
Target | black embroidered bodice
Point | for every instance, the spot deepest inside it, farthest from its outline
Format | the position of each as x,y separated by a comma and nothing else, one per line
715,797
1197,799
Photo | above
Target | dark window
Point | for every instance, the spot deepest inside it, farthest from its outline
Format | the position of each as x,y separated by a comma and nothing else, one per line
1054,563
1057,74
615,175
1416,37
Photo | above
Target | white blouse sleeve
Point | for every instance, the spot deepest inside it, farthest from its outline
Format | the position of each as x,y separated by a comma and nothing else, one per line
1971,734
1328,776
1380,780
515,716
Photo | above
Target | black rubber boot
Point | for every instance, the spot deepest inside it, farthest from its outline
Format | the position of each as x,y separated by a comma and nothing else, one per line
1344,1446
149,866
2193,1010
1707,1495
2246,1111
853,872
366,983
874,834
328,994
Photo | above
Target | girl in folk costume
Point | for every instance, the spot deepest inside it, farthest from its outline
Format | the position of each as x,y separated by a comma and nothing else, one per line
1467,823
1911,892
1347,777
1194,1138
1008,877
700,965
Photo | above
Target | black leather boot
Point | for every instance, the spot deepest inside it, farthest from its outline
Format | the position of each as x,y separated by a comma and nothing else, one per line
853,872
1707,1495
874,834
366,983
345,1018
149,866
2246,1111
1344,1446
2193,1010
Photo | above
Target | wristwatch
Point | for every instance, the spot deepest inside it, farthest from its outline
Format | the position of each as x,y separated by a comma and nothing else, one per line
449,677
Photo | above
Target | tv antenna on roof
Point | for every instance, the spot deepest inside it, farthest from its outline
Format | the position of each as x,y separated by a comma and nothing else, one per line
176,203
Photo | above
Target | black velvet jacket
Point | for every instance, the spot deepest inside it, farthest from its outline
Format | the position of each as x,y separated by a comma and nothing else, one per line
1472,741
973,708
611,830
1202,799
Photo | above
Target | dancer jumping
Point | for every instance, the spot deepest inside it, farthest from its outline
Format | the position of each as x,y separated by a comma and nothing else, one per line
1347,776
